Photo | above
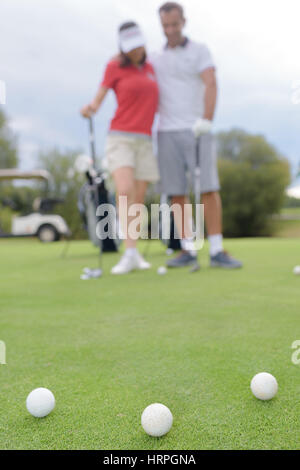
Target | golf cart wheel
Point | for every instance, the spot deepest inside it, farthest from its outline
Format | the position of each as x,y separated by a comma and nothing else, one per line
47,234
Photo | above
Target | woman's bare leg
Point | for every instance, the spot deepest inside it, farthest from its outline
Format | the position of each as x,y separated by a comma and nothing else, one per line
125,187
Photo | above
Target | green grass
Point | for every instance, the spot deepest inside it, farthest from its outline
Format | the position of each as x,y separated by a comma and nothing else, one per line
108,348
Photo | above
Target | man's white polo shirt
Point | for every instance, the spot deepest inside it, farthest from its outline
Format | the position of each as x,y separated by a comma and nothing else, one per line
181,90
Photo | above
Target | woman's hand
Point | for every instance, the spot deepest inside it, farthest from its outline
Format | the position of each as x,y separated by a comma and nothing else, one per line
87,111
91,108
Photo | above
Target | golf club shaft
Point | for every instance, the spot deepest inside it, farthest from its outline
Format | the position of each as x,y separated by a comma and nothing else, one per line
196,266
197,171
95,183
92,140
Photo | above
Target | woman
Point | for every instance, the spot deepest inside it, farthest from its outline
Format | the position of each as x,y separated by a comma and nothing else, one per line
128,153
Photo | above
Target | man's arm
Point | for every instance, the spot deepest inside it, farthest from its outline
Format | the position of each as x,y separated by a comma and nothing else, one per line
210,95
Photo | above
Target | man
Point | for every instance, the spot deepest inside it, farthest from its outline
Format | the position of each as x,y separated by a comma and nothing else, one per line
188,90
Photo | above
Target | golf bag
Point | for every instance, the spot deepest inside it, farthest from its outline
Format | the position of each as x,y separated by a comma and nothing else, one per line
92,194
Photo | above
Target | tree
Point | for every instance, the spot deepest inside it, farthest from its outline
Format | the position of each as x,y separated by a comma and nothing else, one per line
8,150
66,185
253,178
8,159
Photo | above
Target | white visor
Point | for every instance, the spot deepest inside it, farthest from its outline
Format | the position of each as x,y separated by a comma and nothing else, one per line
130,39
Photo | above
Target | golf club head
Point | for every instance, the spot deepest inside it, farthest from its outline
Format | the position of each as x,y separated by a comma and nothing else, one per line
95,273
89,273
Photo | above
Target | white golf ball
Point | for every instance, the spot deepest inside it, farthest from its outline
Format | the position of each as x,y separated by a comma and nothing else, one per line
162,270
40,402
296,270
157,420
85,277
264,386
169,251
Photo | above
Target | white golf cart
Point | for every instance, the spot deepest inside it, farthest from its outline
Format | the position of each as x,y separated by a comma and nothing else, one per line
47,227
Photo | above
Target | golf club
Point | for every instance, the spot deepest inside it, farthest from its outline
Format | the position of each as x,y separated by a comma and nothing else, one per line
197,190
93,181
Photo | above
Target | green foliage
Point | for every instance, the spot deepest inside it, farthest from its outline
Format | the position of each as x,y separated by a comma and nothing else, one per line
253,179
8,151
6,216
15,201
291,202
66,185
18,198
8,159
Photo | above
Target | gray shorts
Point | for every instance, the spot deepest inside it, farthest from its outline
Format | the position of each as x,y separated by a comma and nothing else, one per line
177,159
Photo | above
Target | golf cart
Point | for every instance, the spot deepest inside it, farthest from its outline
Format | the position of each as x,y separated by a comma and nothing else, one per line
40,222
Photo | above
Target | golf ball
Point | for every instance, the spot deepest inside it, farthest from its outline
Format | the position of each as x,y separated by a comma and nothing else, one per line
85,277
156,420
162,270
169,251
296,270
40,402
264,386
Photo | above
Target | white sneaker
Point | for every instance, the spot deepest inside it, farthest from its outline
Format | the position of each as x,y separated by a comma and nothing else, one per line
141,263
125,265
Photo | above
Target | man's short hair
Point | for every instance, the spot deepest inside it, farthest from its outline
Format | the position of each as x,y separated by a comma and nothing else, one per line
168,6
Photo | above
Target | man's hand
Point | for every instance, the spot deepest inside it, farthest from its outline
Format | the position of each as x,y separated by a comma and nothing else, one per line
201,127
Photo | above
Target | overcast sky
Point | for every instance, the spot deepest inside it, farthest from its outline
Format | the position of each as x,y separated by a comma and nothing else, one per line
53,54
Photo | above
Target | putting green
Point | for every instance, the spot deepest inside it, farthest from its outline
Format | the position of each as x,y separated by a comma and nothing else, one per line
107,348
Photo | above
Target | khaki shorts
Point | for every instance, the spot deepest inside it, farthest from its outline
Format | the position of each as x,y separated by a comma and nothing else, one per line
133,151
